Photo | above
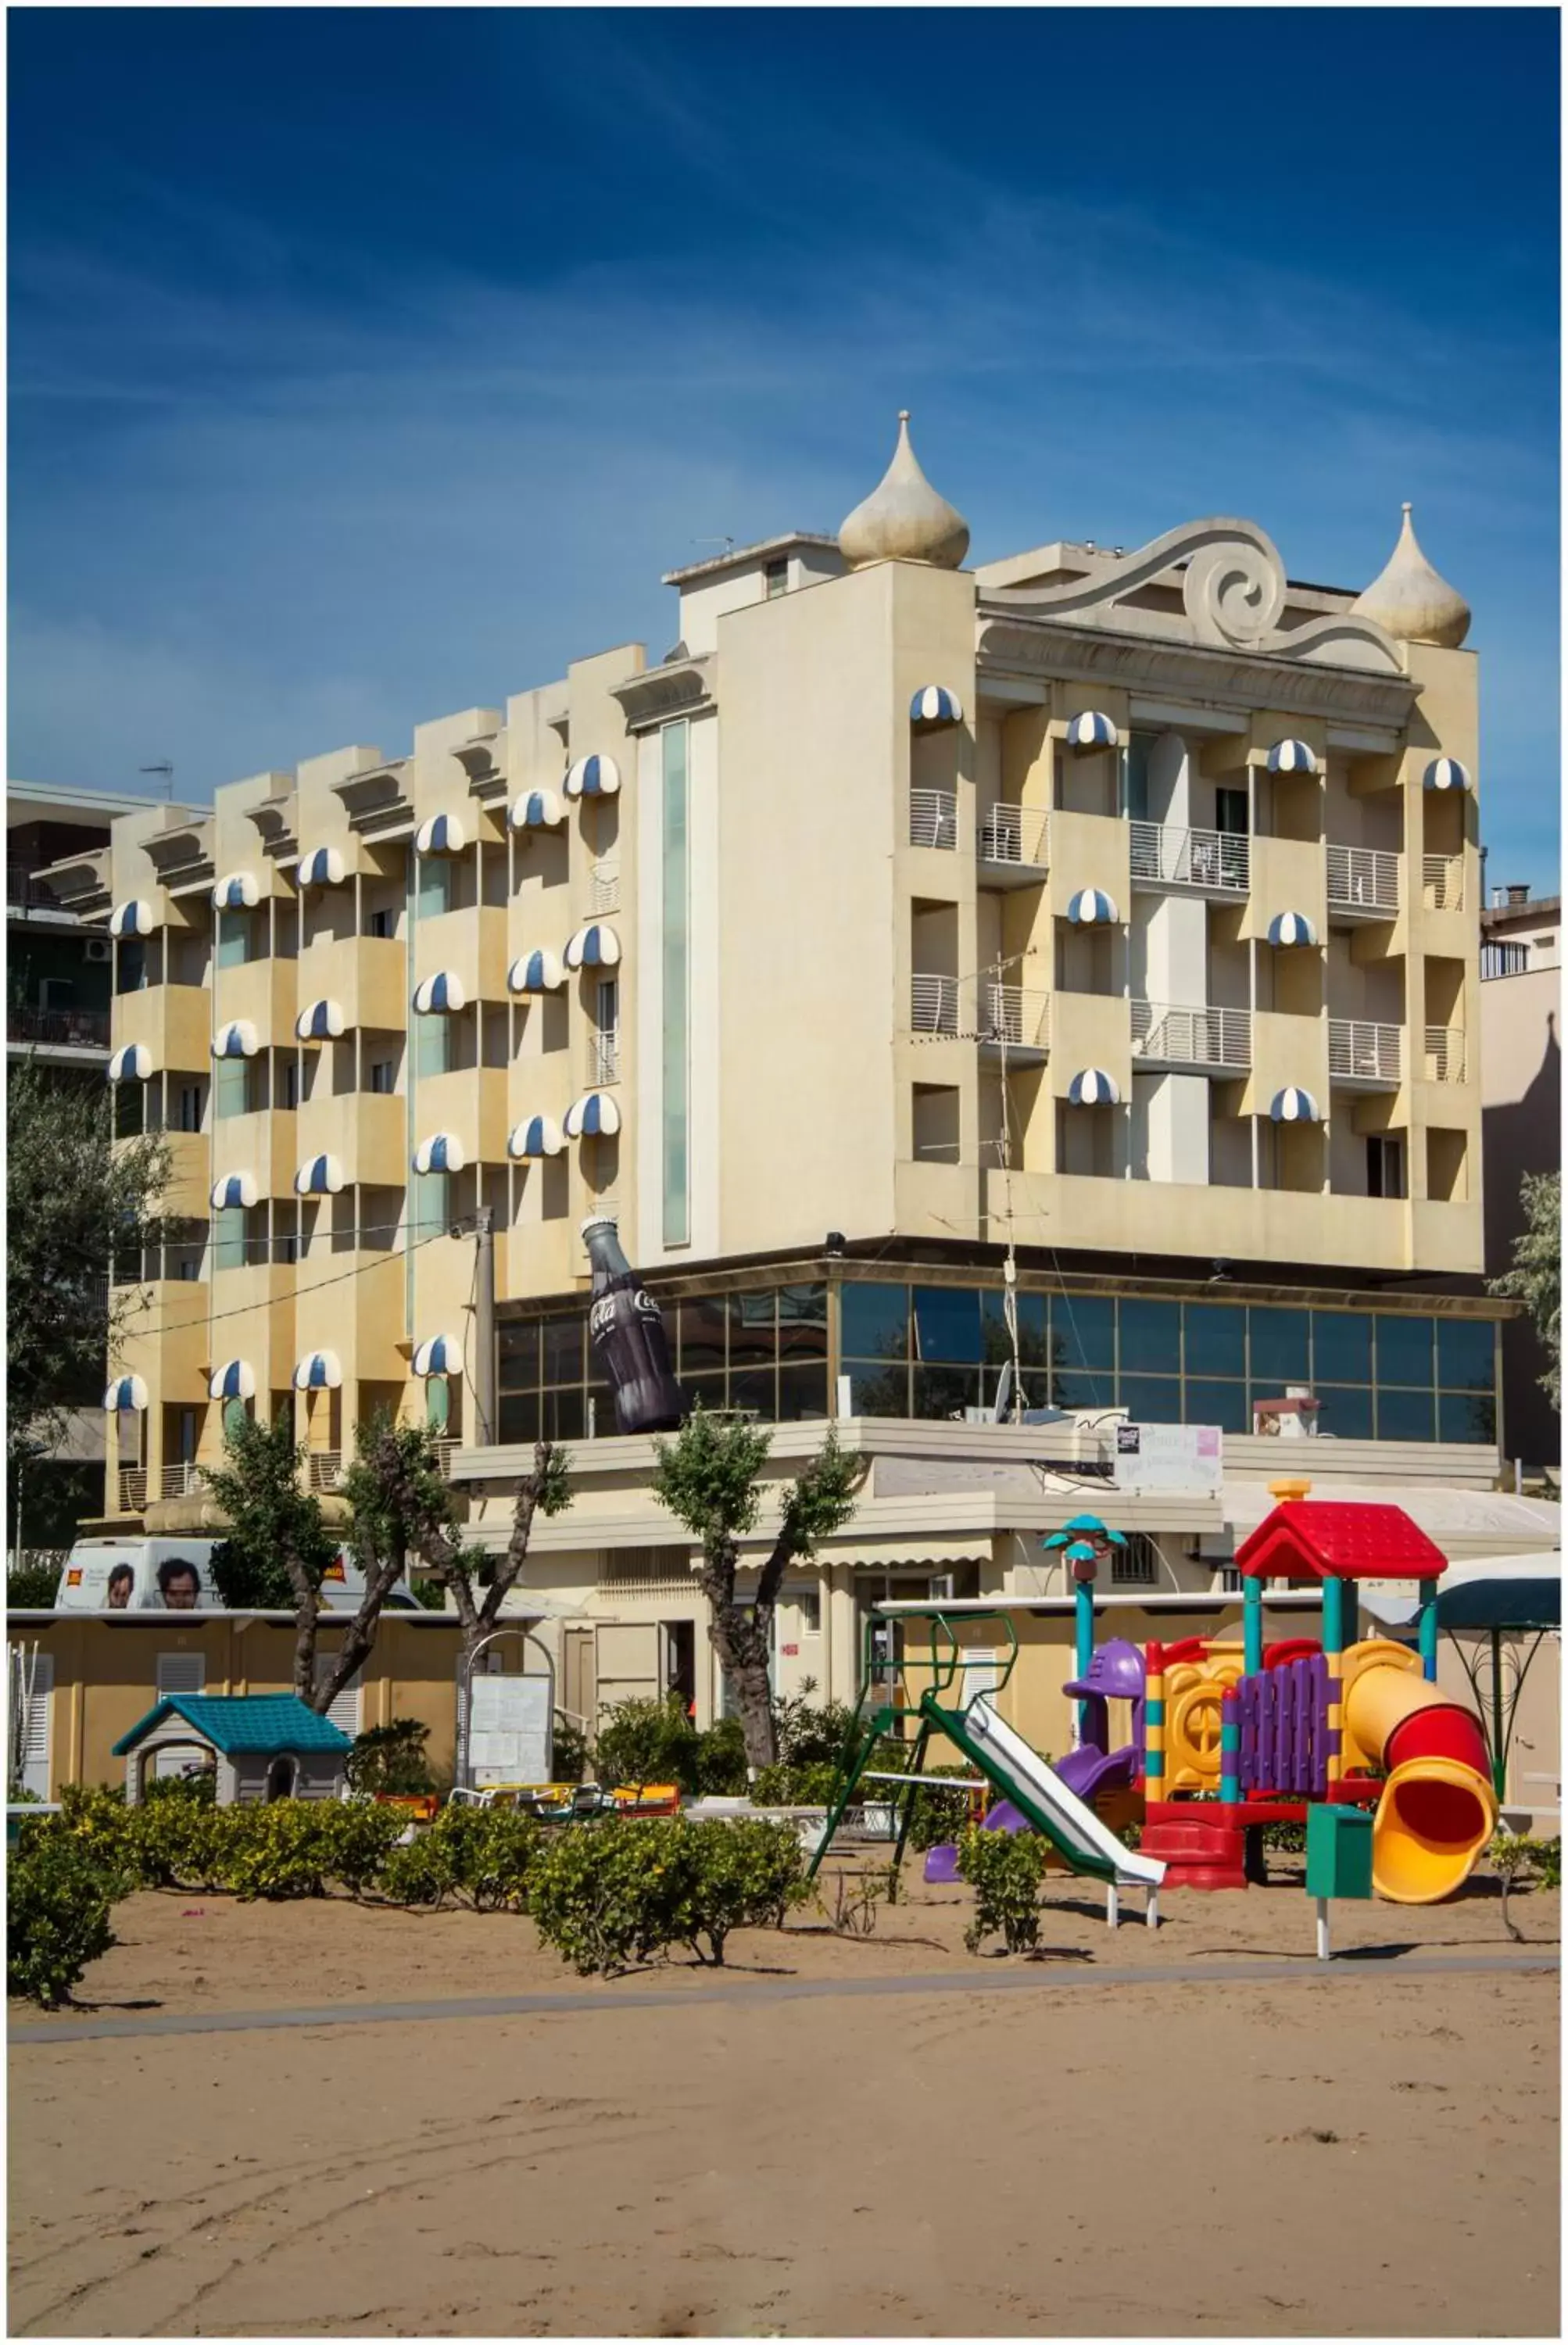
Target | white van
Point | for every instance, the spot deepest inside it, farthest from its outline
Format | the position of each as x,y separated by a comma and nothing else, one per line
175,1575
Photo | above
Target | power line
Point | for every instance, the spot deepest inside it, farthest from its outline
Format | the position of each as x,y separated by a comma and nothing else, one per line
244,1310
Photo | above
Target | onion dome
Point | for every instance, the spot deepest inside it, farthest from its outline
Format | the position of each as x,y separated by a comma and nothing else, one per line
903,519
1408,601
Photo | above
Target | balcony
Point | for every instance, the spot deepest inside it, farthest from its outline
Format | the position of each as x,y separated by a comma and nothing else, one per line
933,818
933,1005
182,1481
1442,883
82,1031
27,892
1011,847
132,1489
604,884
1363,1055
324,1469
1211,862
1212,1042
604,1057
1363,883
1014,1025
1445,1055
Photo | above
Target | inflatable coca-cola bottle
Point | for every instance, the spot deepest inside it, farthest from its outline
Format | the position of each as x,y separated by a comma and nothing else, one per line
628,1333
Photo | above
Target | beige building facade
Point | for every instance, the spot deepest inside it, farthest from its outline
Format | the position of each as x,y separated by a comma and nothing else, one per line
1521,1111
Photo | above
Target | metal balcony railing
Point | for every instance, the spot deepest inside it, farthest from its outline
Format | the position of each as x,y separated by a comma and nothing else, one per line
604,1057
1501,958
933,1005
1361,1049
323,1468
1179,1035
25,892
181,1481
1442,882
1169,856
1363,879
133,1490
604,884
933,818
1010,1015
1445,1058
70,1030
1010,834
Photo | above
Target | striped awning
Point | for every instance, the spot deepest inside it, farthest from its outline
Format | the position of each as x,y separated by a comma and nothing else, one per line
238,1040
319,1372
235,1380
595,947
126,1392
440,1153
541,1135
321,1022
934,704
1293,1105
1090,907
1092,729
592,777
231,1189
536,810
323,866
441,834
595,1116
441,991
1291,929
238,893
132,918
131,1063
1292,758
319,1176
539,972
1446,774
1092,1087
441,1356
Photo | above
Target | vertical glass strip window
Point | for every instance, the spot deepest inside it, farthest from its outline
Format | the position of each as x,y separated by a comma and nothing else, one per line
675,986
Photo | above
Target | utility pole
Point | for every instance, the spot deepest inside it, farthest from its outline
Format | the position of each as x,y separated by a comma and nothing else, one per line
485,1324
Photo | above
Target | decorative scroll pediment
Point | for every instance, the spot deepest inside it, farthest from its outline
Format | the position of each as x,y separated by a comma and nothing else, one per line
679,688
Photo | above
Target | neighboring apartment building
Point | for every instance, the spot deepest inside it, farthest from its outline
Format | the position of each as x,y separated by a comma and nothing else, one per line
1118,912
1522,1093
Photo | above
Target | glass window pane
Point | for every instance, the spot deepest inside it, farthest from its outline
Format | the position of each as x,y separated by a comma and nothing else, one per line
803,1321
562,1415
701,1336
1152,1400
675,983
433,1034
1465,1355
1210,1402
1278,1351
876,1389
1150,1339
233,939
751,1329
1081,1388
1341,1347
562,1351
1084,1332
708,1388
755,1388
229,1087
434,893
994,1338
519,1417
130,1109
1215,1342
228,1238
945,1392
1467,1417
1406,1416
803,1391
1404,1350
947,1324
875,1322
428,1203
1347,1411
519,1349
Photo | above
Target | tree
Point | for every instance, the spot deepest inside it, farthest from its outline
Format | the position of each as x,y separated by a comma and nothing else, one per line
279,1544
708,1476
1536,1275
80,1205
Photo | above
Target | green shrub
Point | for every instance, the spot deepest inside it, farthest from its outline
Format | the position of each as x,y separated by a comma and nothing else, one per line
423,1872
647,1742
811,1734
33,1586
811,1785
278,1850
746,1875
719,1769
938,1815
501,1862
390,1758
482,1854
198,1788
1546,1863
607,1894
569,1751
360,1839
1004,1870
57,1901
181,1843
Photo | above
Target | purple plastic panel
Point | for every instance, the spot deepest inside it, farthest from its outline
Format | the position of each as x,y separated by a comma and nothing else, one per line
942,1862
1251,1688
1317,1670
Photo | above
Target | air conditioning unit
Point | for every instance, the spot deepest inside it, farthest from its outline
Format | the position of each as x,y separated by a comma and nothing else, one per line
99,948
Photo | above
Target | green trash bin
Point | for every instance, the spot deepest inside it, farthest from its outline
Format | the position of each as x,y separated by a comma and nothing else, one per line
1339,1852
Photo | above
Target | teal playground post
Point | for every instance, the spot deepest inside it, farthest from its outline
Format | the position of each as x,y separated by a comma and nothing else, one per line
1083,1643
1333,1616
1252,1624
1429,1631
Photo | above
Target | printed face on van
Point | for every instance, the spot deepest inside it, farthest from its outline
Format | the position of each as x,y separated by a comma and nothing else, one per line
180,1587
122,1580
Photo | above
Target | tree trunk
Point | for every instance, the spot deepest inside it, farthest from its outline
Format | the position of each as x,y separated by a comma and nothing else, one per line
740,1635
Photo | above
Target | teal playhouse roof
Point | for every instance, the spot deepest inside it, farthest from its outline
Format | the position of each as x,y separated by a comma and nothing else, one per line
243,1723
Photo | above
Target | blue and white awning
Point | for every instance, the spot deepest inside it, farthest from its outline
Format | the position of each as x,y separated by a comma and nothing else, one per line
239,892
235,1380
442,834
441,1356
231,1189
443,991
1092,1087
238,1040
1446,774
592,777
126,1392
539,972
536,810
319,1176
132,1063
1292,757
934,704
319,1372
322,867
595,947
321,1022
1093,729
595,1116
1090,907
539,1136
1291,929
440,1153
132,918
1293,1105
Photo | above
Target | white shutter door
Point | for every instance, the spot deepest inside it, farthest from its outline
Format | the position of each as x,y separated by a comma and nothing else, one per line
982,1674
343,1709
40,1719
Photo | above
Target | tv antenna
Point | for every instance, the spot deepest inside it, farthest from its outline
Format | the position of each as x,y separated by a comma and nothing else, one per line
166,769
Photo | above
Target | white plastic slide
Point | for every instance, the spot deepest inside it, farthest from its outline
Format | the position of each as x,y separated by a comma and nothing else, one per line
1036,1789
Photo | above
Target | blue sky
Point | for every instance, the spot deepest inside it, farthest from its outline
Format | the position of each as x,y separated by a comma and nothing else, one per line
367,365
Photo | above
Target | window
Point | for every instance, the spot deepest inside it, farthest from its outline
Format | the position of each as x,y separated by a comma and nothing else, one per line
809,1605
1230,813
290,1083
343,1709
1385,1167
1137,1565
874,1321
1342,1347
430,1201
947,1322
180,1673
1137,772
380,923
432,1041
37,1690
606,1042
130,1109
233,939
382,1072
228,1238
229,1088
1278,1351
190,1107
130,965
776,577
434,893
675,1010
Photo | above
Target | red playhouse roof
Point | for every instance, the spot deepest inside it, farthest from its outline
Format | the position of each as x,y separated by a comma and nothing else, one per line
1322,1538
